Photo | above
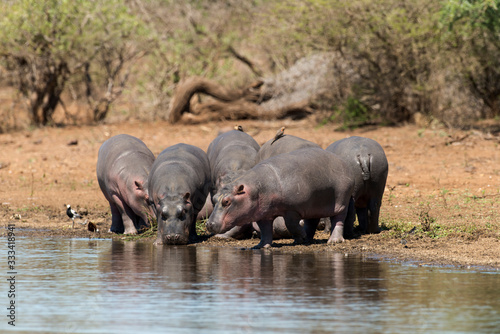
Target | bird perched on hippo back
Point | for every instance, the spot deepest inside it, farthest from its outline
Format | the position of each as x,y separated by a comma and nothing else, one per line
278,135
179,183
285,144
123,165
368,161
230,155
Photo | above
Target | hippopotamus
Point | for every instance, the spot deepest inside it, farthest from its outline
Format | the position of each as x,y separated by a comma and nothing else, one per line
281,143
179,183
368,161
230,154
123,165
308,183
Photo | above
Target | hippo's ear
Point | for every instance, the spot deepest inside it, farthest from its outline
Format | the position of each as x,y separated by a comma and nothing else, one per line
139,185
186,197
240,190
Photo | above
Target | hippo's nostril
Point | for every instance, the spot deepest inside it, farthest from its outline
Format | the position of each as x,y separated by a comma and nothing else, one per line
175,239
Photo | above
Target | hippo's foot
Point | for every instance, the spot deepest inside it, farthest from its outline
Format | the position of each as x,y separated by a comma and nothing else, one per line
130,231
336,236
223,236
115,230
262,245
373,230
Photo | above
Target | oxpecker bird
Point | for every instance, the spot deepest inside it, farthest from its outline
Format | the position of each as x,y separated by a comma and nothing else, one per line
279,134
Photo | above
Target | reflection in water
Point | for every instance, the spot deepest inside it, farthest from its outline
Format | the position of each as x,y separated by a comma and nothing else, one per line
95,286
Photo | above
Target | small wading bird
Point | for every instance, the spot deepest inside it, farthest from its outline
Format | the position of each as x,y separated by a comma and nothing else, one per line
92,227
73,214
279,134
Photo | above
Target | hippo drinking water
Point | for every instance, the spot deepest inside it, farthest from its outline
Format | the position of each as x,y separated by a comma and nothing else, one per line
281,143
307,184
123,165
230,155
368,161
179,183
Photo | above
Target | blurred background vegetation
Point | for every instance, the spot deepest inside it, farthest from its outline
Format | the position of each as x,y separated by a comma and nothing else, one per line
389,61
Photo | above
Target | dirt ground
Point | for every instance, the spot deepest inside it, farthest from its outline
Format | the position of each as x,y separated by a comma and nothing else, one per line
443,182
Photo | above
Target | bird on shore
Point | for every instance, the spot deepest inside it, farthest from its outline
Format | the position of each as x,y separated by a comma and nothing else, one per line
72,214
403,240
279,134
92,227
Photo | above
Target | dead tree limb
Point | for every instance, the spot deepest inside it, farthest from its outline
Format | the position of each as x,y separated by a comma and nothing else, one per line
227,104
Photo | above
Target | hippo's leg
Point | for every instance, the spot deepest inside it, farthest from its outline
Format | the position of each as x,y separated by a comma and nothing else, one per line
310,226
374,208
337,221
128,218
325,224
292,223
362,214
126,214
280,230
237,232
349,220
116,219
193,236
266,234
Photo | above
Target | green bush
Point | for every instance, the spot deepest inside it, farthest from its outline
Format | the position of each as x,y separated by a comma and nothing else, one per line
44,45
472,36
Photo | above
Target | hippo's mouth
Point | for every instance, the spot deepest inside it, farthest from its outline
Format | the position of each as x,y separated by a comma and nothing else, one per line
172,239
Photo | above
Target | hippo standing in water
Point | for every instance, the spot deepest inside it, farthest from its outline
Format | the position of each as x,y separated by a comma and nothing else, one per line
230,154
307,184
281,143
179,183
368,161
123,165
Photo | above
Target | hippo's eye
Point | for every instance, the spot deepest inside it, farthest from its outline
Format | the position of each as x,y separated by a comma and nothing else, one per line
181,212
226,202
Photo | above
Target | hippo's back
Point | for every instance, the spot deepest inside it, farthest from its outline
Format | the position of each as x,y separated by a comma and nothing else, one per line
123,152
183,154
285,144
232,151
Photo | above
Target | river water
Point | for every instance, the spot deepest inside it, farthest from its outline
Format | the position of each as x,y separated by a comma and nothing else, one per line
103,286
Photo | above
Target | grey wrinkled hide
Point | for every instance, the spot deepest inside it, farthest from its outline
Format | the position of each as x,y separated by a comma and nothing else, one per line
123,165
284,228
285,144
308,184
367,160
179,183
231,154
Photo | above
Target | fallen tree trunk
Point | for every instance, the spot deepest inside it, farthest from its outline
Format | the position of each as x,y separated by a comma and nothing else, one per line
228,104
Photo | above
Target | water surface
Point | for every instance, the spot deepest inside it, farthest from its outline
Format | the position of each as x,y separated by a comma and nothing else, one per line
103,286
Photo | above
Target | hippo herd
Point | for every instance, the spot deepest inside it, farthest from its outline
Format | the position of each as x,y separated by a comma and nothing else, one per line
281,189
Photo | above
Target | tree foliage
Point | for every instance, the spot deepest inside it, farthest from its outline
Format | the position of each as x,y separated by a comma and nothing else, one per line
391,58
45,45
473,35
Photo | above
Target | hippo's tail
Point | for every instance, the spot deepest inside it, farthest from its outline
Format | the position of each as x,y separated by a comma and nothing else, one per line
365,163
